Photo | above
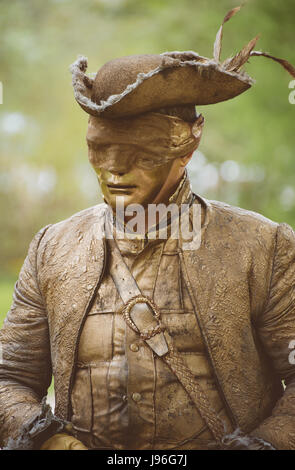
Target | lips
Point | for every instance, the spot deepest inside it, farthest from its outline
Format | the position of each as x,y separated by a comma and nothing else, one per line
121,188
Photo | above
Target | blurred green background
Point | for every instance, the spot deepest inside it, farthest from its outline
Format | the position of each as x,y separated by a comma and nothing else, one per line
245,158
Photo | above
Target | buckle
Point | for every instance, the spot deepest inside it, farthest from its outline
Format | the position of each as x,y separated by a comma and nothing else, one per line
143,317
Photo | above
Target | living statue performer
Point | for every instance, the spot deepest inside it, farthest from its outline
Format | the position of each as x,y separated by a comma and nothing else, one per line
153,343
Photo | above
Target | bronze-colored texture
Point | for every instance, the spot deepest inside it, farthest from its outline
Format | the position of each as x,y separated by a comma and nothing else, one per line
116,370
143,317
244,306
160,135
63,441
171,79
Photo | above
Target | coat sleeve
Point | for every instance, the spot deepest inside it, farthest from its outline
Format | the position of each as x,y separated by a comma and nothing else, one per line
276,329
25,365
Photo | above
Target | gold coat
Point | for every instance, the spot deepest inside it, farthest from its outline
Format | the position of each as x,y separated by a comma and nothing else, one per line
242,279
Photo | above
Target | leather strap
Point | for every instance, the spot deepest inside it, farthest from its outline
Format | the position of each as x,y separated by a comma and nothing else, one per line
143,317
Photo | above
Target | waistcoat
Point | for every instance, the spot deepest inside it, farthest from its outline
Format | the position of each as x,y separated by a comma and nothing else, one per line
124,397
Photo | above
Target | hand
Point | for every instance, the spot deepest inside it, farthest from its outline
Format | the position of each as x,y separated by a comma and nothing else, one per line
63,441
239,441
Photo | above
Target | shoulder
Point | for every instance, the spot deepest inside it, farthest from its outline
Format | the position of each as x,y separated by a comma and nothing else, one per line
221,213
82,218
75,226
239,215
226,223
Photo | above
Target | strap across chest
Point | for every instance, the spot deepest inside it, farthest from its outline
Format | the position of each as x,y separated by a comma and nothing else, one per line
143,317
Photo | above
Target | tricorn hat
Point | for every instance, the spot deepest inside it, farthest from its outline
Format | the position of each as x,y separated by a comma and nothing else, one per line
137,84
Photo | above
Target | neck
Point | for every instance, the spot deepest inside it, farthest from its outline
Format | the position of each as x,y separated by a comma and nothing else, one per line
169,188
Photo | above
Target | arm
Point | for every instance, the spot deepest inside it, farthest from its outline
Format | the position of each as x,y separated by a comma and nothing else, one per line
276,328
25,371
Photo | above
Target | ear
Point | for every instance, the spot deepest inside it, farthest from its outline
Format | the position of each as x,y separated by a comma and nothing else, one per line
197,128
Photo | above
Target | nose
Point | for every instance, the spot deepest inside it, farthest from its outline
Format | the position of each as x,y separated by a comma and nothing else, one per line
120,165
118,171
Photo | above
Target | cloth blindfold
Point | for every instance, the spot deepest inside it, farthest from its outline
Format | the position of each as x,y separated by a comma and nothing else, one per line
161,136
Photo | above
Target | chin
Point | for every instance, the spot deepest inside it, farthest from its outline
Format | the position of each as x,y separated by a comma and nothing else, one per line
128,199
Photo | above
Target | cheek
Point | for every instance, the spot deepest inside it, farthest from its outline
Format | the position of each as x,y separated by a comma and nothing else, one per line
158,176
100,177
150,183
100,160
93,157
97,170
148,179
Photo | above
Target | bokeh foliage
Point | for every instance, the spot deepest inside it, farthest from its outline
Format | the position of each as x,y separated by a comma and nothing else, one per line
44,174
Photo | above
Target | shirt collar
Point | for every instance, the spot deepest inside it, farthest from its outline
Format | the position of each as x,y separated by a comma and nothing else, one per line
182,195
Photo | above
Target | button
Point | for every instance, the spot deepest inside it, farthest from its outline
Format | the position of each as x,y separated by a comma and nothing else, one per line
134,347
69,428
136,396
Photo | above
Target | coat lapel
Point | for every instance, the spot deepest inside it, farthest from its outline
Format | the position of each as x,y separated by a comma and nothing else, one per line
75,260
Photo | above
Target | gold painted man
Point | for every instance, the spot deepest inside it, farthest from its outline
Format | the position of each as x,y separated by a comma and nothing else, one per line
153,344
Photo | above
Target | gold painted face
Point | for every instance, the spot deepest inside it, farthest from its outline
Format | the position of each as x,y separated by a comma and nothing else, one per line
125,170
141,158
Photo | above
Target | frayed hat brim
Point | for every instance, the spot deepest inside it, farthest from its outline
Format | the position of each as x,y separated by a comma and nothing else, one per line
177,82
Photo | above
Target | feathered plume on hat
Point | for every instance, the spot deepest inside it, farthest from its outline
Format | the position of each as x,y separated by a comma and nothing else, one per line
132,85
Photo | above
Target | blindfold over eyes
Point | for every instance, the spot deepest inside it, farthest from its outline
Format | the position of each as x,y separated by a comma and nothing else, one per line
154,138
103,157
